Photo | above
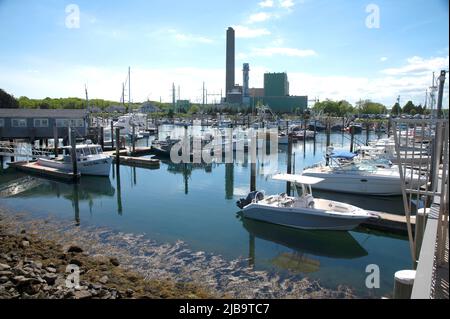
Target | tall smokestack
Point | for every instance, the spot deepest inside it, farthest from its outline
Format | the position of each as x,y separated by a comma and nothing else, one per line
230,61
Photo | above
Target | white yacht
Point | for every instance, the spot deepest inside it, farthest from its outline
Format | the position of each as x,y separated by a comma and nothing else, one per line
303,211
90,160
344,174
126,123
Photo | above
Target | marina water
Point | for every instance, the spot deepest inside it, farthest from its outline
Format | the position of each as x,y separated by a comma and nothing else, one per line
196,203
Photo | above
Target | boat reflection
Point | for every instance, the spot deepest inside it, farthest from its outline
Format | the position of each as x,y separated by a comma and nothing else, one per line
331,244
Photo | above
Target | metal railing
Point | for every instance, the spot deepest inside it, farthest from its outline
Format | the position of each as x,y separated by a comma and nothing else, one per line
22,150
431,193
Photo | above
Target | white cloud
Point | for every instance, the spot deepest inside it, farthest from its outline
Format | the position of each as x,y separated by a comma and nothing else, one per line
383,59
287,4
271,51
266,4
152,83
259,17
246,32
419,66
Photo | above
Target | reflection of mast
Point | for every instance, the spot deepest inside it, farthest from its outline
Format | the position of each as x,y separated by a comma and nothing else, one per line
75,203
186,178
251,251
229,180
119,192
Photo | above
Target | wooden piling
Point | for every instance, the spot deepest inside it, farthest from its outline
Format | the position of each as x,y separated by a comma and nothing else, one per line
55,140
328,132
367,133
102,137
133,138
421,221
289,163
73,151
112,135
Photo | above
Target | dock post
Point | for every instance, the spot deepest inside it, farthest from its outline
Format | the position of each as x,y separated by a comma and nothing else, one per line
403,285
55,140
389,127
352,137
289,164
252,156
252,177
73,151
328,130
102,137
421,221
117,146
112,135
367,133
133,139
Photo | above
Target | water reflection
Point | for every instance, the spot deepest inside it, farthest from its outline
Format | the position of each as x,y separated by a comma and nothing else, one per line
331,244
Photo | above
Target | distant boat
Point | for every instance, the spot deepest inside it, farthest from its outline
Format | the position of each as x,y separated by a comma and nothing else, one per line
303,211
90,160
348,175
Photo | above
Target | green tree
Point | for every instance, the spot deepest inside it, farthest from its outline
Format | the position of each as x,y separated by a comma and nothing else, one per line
409,106
7,101
369,107
396,109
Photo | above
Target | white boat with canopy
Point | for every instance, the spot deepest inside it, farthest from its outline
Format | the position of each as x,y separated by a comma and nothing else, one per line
302,211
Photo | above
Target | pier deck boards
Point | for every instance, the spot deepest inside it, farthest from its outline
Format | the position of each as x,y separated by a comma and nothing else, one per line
34,168
389,223
128,152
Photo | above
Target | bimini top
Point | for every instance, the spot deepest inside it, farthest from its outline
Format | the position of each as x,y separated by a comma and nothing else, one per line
299,179
343,154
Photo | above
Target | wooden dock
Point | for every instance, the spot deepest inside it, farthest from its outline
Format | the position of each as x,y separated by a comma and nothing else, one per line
389,223
34,168
138,151
138,161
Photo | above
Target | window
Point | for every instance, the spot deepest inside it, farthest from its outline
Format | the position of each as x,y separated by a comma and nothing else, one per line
40,122
2,122
69,122
19,122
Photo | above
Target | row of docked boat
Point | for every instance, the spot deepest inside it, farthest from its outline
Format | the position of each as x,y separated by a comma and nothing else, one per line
346,172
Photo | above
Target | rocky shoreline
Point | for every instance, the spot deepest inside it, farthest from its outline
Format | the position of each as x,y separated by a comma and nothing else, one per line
31,267
117,265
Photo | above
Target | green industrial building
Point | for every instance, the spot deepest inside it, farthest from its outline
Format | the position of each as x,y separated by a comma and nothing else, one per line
276,95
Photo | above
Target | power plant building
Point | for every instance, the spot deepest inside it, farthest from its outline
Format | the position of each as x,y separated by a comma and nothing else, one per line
230,64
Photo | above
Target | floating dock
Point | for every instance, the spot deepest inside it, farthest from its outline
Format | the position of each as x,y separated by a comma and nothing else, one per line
138,161
127,152
389,223
34,168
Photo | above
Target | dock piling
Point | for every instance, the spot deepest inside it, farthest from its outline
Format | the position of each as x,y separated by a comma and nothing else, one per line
403,285
55,140
73,151
289,163
117,146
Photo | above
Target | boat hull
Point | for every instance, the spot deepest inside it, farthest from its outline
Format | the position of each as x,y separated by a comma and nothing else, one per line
98,167
303,218
368,185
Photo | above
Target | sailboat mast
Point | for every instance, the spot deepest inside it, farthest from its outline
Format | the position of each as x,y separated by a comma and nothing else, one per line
129,89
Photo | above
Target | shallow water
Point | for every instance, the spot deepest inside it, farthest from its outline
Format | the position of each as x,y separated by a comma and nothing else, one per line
196,204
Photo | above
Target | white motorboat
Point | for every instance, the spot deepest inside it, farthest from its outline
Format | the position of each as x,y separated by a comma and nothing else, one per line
364,177
90,160
303,211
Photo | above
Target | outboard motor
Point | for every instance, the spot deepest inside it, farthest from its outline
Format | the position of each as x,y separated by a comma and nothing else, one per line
250,197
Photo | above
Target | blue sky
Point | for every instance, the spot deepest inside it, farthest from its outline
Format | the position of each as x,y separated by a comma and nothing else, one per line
325,46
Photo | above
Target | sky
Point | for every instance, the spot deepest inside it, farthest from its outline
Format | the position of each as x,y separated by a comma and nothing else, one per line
336,49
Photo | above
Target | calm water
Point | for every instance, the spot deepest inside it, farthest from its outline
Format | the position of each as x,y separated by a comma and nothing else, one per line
196,204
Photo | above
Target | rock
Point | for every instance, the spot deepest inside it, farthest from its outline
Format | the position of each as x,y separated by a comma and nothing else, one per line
6,273
50,278
3,279
114,261
75,262
51,269
4,267
129,292
74,249
25,243
104,279
23,231
82,294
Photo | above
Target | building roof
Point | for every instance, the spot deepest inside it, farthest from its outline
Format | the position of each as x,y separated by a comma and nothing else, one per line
49,113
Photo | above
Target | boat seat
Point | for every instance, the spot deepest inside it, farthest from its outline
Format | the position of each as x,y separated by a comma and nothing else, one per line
306,201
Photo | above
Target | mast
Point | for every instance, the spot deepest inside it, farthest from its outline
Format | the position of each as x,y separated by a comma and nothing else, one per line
129,89
87,98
